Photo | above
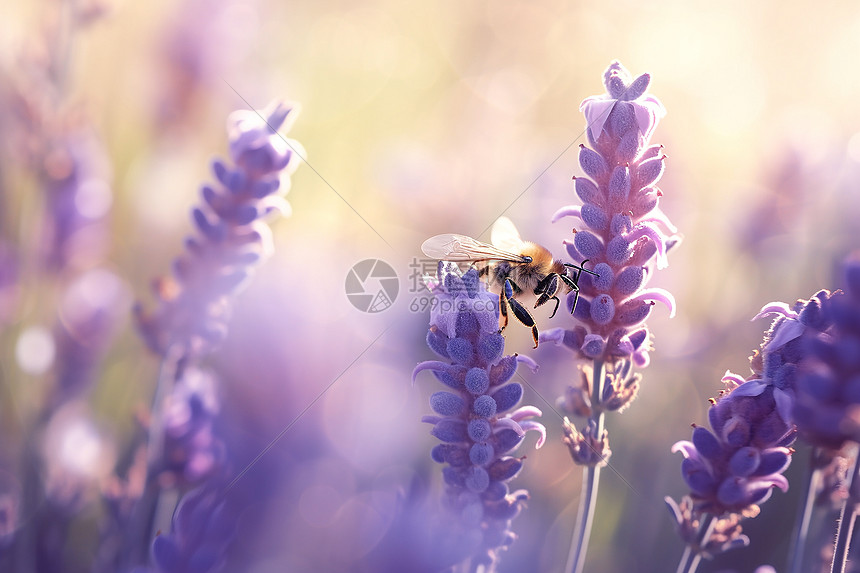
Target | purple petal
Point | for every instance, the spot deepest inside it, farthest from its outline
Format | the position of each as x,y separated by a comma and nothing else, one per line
784,404
776,307
555,335
750,388
430,365
593,345
648,112
507,423
645,229
567,211
687,449
730,376
525,412
777,480
530,364
658,216
788,330
532,426
596,110
658,295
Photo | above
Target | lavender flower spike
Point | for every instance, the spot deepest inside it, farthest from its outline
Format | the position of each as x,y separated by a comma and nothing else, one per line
231,236
826,388
734,466
731,469
628,235
475,417
626,239
828,383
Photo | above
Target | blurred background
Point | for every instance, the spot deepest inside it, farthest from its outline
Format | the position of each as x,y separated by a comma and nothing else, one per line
417,119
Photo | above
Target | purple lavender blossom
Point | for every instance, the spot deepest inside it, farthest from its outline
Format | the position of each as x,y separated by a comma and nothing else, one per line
783,348
828,384
75,176
91,310
201,46
8,282
628,235
192,450
734,466
10,501
730,470
476,420
190,321
232,239
203,526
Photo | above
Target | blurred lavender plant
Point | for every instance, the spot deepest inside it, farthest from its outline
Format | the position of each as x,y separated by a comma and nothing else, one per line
201,530
75,178
200,46
474,418
190,321
194,305
627,237
63,455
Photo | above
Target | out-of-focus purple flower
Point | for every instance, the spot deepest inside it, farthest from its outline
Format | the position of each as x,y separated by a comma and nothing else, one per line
232,238
192,450
475,416
628,235
10,501
203,526
77,456
91,309
8,282
420,539
828,384
75,175
775,210
734,467
198,49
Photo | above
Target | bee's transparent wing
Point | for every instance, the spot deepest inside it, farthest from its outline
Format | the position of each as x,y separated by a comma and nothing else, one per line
505,235
460,248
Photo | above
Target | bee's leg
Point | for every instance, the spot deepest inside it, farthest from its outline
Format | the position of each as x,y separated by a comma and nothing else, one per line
525,317
579,268
554,310
574,288
575,291
503,309
547,289
506,297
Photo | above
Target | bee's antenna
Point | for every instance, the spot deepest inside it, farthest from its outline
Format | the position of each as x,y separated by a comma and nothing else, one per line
581,268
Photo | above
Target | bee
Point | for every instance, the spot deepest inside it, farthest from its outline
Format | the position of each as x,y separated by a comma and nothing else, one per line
513,266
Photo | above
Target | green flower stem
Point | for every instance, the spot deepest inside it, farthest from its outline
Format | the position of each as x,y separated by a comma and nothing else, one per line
591,479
